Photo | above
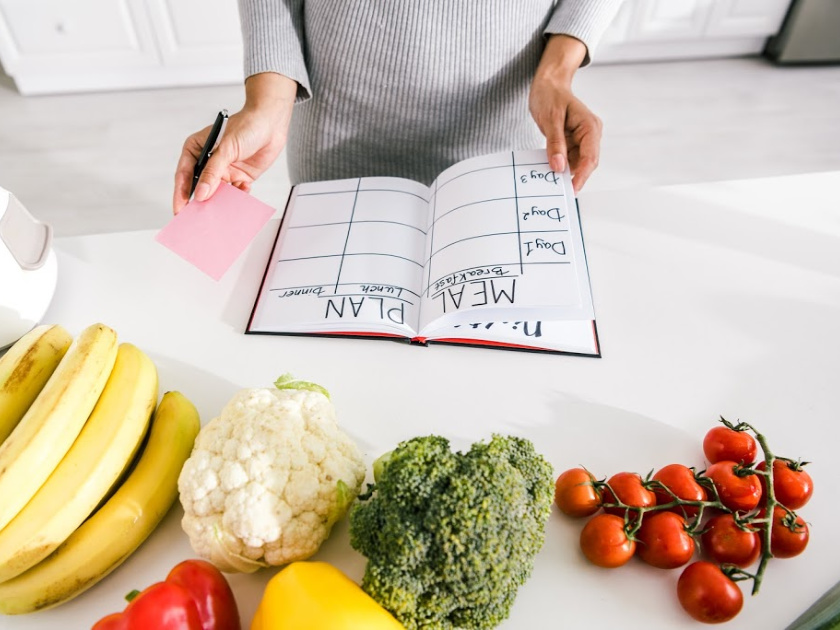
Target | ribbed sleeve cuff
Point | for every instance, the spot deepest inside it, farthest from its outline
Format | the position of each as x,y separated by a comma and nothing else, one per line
586,20
272,39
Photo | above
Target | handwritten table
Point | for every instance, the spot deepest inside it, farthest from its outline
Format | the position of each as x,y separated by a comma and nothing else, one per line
495,240
711,299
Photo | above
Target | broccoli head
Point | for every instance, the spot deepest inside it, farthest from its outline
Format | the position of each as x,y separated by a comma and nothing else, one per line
451,536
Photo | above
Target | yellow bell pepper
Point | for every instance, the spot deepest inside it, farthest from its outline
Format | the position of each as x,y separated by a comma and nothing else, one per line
317,596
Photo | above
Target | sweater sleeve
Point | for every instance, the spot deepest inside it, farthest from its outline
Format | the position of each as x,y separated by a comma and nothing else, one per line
586,20
273,40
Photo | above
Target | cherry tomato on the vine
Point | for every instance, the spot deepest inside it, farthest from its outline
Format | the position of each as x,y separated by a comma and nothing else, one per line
604,541
788,535
708,594
663,541
680,480
737,492
630,490
725,444
724,542
792,484
575,493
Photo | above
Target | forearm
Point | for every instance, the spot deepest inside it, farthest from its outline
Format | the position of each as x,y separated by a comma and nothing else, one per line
585,20
562,56
269,90
273,40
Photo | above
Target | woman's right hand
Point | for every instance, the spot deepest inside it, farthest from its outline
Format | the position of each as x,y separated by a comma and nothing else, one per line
252,140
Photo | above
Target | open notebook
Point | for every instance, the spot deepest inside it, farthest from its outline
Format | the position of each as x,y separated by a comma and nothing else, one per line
490,254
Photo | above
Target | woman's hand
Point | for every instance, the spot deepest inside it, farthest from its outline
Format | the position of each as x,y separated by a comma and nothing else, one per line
572,132
253,139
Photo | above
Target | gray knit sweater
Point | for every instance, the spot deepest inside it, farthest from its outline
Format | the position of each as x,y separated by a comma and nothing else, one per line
407,88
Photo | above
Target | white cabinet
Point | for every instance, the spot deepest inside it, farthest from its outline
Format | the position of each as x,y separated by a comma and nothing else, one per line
196,33
680,29
662,20
50,46
739,18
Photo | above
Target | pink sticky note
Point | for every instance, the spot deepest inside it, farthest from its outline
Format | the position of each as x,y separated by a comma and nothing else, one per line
212,234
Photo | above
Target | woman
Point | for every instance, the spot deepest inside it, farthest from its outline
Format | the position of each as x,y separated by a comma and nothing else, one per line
382,87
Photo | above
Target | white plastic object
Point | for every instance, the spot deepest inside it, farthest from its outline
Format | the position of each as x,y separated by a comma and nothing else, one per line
28,269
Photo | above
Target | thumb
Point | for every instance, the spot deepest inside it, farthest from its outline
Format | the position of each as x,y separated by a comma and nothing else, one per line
214,172
555,145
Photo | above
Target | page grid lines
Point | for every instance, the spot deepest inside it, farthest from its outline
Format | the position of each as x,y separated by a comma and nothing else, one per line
492,248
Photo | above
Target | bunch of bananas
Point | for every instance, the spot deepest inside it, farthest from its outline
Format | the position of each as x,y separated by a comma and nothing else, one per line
89,461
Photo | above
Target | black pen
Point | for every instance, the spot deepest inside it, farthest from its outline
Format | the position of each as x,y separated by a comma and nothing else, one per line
207,150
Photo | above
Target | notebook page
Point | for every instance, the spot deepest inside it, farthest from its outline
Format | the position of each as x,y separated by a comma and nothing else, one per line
573,336
348,258
503,235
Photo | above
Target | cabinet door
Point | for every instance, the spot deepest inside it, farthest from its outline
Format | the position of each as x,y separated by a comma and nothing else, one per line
199,34
649,30
735,18
657,20
56,36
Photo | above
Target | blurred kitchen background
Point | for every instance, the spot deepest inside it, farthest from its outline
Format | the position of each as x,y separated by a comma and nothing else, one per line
97,97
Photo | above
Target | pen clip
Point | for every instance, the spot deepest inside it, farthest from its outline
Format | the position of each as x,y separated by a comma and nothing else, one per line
210,145
224,114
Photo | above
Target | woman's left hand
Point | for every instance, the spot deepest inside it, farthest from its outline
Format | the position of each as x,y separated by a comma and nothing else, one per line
572,131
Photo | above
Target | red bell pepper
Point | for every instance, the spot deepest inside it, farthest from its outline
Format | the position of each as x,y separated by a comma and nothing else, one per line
194,596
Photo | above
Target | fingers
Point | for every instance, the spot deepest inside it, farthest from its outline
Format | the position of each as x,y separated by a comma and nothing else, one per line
214,171
572,132
184,170
588,154
211,176
582,172
555,144
549,109
183,180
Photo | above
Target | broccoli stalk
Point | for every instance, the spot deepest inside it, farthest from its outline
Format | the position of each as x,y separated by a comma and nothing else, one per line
451,536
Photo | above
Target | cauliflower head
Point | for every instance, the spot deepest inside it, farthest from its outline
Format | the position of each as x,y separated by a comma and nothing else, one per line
268,478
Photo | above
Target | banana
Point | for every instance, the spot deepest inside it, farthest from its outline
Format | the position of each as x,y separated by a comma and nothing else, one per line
106,445
120,526
24,370
55,418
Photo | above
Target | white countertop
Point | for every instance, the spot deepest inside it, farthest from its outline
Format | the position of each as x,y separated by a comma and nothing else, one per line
711,299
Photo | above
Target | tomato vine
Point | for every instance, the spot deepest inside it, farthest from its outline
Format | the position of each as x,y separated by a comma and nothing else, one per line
736,485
